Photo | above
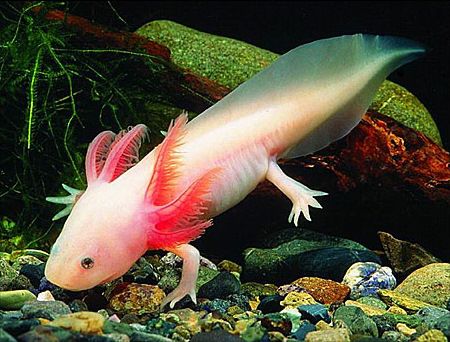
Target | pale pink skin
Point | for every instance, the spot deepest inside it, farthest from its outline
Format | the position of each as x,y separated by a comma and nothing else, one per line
243,135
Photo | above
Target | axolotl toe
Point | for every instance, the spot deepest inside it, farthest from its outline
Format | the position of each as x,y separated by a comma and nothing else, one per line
308,98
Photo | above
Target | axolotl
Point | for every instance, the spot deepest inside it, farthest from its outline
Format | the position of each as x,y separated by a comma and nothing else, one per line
306,99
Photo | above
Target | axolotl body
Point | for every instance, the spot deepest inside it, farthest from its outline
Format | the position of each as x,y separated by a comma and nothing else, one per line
308,98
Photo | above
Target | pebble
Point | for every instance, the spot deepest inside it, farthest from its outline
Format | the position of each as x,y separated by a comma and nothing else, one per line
45,296
270,304
373,301
136,298
33,272
277,322
254,290
332,335
411,305
356,320
216,336
49,310
295,299
84,322
366,278
430,284
397,310
221,286
304,328
368,309
16,327
432,335
405,330
314,313
323,290
5,337
394,336
14,300
430,315
78,305
229,266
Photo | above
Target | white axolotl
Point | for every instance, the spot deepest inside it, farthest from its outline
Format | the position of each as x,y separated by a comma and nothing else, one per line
308,98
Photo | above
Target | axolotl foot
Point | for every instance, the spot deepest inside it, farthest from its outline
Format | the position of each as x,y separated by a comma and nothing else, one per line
191,262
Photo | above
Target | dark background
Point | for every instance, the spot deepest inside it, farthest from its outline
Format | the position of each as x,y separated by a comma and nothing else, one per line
281,26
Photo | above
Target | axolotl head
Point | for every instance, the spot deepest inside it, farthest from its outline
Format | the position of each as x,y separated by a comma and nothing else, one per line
104,233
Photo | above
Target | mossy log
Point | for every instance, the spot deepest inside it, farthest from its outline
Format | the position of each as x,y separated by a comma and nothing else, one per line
379,150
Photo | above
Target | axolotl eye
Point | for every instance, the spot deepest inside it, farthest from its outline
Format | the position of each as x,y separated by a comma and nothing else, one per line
87,263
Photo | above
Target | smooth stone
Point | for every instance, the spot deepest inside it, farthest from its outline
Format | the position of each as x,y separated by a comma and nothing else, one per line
323,290
430,315
430,284
282,267
223,305
216,336
270,304
388,321
85,322
410,304
34,273
26,260
14,300
432,335
405,256
394,336
141,336
10,279
221,286
136,298
47,333
5,337
110,327
229,266
16,327
366,278
295,299
356,320
373,301
277,322
304,328
443,324
171,278
78,305
332,335
253,290
314,313
45,296
368,309
49,310
322,325
405,330
397,310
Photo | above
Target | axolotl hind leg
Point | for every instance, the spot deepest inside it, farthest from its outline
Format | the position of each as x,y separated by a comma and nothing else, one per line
191,263
300,195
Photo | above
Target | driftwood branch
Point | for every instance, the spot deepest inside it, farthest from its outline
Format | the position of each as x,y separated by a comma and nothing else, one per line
378,151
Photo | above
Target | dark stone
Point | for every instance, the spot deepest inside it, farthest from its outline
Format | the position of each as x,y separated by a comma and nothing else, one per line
110,327
160,327
48,333
215,305
270,304
221,286
95,301
356,320
328,263
443,324
277,322
239,300
17,327
430,315
304,328
216,336
5,337
314,313
45,309
78,305
34,273
140,336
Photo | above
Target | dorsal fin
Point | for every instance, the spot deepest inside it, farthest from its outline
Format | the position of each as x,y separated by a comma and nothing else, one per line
124,153
97,153
165,172
183,219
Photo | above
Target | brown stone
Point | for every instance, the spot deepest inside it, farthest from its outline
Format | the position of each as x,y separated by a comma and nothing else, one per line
323,290
405,256
136,298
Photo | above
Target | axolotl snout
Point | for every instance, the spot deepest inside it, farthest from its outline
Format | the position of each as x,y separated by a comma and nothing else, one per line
308,98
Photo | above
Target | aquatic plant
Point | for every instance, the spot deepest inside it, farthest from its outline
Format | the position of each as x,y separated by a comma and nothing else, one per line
56,93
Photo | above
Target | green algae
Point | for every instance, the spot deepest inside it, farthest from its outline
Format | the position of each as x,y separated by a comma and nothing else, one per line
230,62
